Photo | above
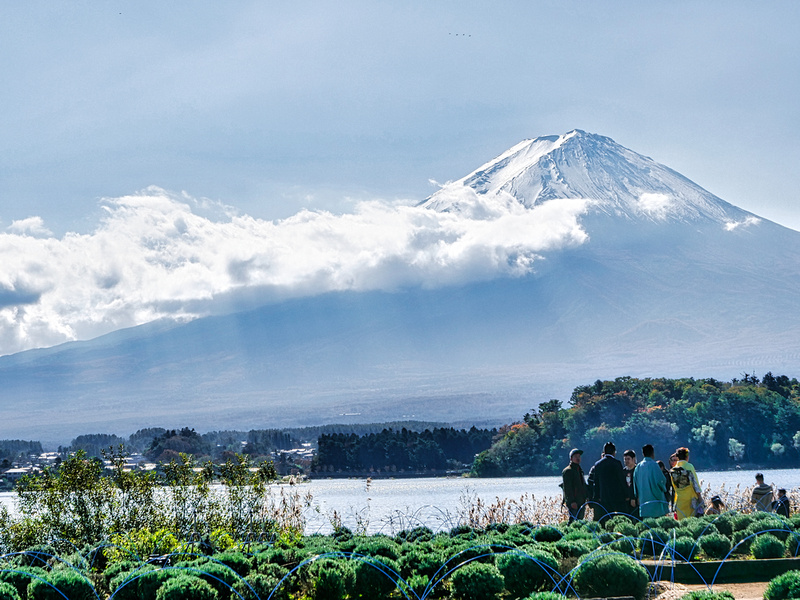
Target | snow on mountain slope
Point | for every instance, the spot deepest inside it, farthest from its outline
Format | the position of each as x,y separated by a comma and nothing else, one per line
583,165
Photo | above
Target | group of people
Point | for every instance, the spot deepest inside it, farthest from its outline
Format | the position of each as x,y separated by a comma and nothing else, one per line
648,488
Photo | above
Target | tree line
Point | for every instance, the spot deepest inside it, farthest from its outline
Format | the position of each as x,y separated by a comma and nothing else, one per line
401,450
10,450
163,444
748,420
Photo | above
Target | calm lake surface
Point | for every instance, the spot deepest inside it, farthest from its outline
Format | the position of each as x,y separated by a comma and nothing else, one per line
389,505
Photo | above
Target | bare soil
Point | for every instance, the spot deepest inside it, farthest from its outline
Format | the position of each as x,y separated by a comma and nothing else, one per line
741,591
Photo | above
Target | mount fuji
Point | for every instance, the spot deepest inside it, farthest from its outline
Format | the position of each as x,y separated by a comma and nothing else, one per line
657,277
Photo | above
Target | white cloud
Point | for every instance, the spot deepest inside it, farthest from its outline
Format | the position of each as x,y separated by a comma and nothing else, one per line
154,256
655,204
31,226
746,222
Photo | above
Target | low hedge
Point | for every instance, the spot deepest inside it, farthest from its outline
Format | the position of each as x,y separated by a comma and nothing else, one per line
186,587
784,587
610,575
8,592
525,573
767,545
715,545
59,584
477,581
708,595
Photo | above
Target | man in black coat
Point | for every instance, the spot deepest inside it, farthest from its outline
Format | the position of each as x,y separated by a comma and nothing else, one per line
574,486
607,487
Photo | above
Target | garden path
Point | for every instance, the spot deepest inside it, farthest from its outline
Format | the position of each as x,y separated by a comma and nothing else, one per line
741,591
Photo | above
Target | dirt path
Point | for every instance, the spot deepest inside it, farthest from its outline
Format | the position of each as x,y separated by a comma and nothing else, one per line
740,591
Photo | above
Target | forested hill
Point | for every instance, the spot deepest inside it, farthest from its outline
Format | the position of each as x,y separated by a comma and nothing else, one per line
436,449
748,420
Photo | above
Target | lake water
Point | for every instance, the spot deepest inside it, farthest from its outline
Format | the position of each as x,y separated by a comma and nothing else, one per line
389,505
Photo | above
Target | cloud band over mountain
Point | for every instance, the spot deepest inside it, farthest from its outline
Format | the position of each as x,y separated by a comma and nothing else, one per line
157,255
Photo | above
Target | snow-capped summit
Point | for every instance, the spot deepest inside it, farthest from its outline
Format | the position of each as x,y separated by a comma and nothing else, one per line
578,164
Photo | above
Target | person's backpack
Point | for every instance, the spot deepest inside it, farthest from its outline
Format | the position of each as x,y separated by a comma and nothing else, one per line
681,478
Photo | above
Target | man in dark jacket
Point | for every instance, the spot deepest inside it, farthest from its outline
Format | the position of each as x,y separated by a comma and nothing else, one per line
628,467
781,506
607,487
574,486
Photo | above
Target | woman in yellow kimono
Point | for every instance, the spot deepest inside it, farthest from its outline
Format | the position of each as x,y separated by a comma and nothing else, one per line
688,496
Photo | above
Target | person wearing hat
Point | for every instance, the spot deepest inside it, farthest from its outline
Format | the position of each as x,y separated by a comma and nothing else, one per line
574,486
717,506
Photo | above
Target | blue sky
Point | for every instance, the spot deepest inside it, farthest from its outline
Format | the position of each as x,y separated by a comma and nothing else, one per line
244,113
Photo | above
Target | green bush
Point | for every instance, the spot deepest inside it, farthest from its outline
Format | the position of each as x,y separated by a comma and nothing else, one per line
625,545
685,548
286,557
724,523
741,522
420,562
239,562
574,548
526,573
793,544
700,527
35,556
477,581
8,592
715,545
116,568
784,586
545,596
610,575
459,553
21,580
707,595
331,579
652,542
260,585
767,545
139,584
498,527
418,584
590,526
522,530
462,530
378,547
186,587
624,526
547,533
418,534
669,522
606,537
374,578
741,541
647,524
342,533
770,523
272,570
218,576
614,523
578,534
66,583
